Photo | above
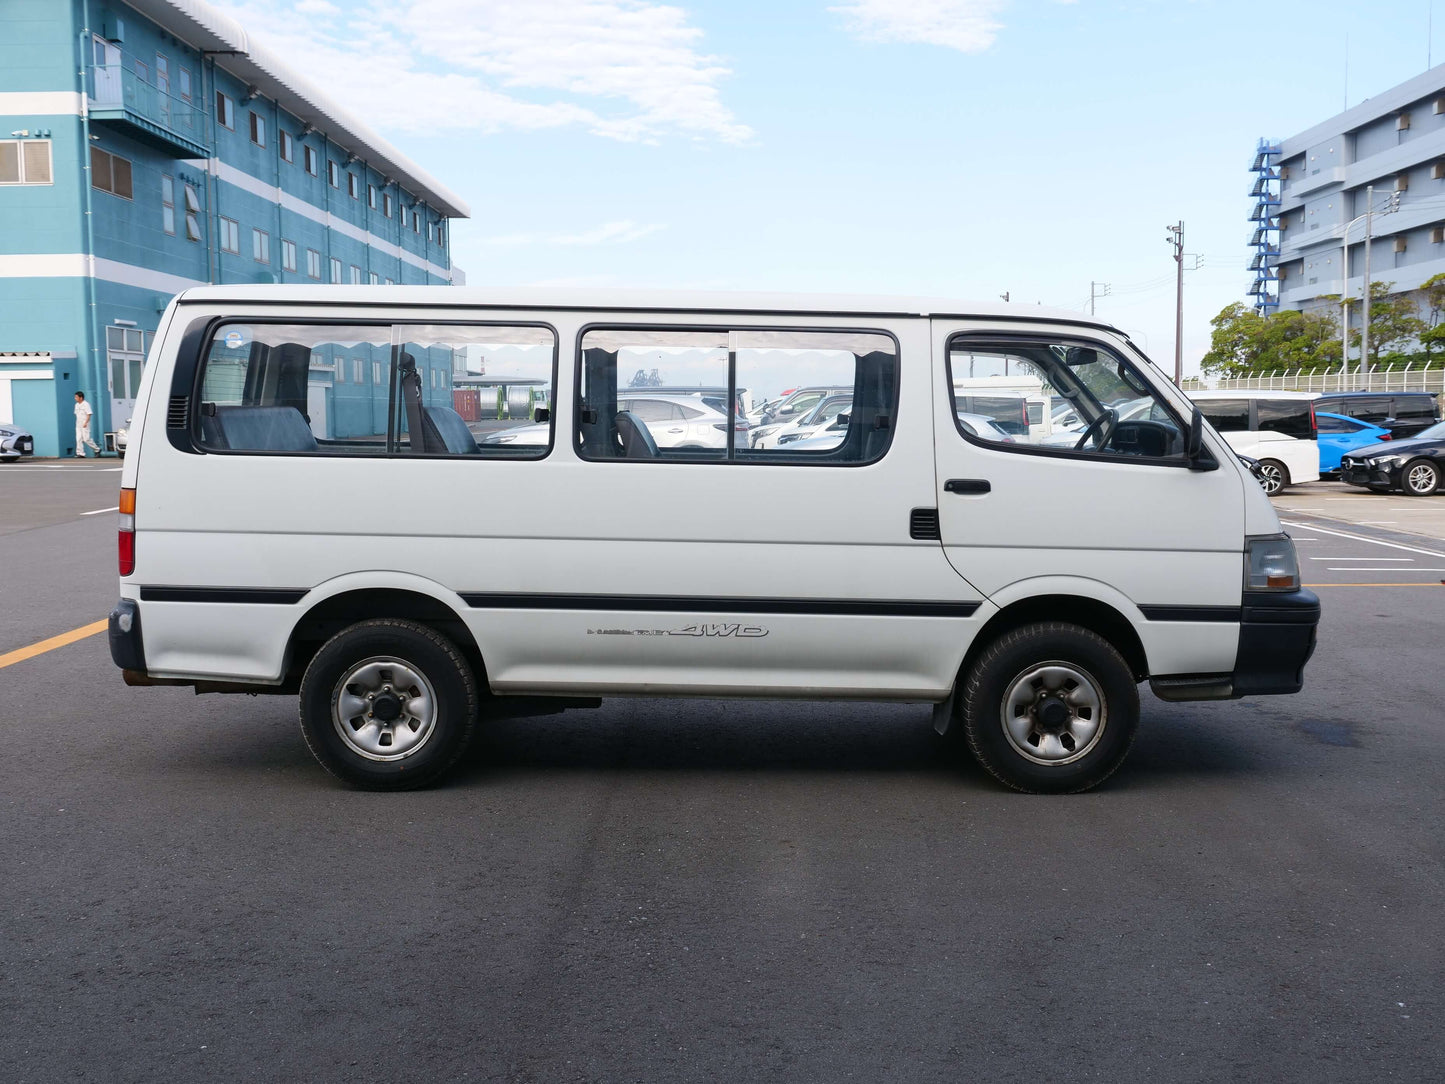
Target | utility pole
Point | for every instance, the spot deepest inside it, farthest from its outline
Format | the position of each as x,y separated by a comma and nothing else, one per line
1365,293
1096,291
1176,241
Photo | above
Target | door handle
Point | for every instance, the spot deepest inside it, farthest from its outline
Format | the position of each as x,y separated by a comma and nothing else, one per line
967,485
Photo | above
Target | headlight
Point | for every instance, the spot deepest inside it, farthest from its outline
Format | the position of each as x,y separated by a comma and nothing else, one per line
788,438
1383,460
1270,564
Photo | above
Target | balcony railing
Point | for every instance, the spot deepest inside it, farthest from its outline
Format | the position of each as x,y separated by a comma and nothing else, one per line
175,124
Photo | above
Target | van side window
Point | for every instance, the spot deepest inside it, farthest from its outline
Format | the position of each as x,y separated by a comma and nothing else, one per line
416,389
1058,397
1226,415
1288,416
737,395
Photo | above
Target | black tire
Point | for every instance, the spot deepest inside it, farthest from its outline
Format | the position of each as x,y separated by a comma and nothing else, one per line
406,666
1052,766
1275,476
1419,478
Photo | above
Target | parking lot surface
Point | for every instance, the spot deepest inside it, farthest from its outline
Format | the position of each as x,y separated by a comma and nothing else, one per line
668,890
1391,512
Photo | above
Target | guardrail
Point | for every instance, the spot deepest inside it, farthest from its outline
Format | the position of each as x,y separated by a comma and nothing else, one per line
1411,378
117,87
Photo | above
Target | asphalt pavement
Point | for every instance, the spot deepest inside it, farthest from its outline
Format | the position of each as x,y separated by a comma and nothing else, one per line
720,891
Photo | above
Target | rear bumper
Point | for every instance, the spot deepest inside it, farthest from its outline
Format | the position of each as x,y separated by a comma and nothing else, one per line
127,650
1276,638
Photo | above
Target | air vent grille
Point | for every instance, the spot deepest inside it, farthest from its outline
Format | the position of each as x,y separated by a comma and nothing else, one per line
178,414
923,524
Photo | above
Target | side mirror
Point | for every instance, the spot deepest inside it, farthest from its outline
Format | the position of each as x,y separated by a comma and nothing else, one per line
842,420
541,414
1194,453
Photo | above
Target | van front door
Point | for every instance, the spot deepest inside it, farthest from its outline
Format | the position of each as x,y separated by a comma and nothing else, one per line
1107,510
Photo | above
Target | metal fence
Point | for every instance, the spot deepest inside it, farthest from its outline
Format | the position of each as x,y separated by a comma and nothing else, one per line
1411,378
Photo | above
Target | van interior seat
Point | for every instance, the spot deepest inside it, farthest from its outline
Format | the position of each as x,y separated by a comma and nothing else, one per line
451,429
262,429
637,442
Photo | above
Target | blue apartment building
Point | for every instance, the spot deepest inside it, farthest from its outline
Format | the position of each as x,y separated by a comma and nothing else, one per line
150,146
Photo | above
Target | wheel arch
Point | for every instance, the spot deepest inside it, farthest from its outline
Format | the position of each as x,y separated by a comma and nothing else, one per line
350,600
1057,602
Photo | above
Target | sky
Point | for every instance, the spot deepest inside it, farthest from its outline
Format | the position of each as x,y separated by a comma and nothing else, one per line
953,148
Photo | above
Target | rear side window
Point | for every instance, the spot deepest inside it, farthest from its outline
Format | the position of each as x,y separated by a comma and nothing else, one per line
1369,408
1288,416
377,389
736,395
1414,408
1226,415
1336,425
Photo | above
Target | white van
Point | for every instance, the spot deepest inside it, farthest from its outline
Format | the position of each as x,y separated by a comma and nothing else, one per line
1276,427
305,512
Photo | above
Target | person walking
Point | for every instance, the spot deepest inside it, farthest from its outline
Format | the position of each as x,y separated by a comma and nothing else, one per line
82,426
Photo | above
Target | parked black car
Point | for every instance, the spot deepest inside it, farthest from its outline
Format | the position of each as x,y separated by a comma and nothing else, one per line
1403,413
1415,466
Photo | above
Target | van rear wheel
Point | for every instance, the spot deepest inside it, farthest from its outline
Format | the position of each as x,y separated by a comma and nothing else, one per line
388,705
1050,708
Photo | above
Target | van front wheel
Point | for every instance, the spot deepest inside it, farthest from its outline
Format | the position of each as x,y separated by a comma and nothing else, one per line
388,705
1050,708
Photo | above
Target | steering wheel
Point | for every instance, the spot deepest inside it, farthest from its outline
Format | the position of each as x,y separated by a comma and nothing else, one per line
1103,425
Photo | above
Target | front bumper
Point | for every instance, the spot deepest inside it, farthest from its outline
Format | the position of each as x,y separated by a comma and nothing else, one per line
1276,638
1358,473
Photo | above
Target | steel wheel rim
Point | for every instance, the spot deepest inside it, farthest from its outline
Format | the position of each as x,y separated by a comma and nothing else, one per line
361,705
1272,479
1054,741
1421,478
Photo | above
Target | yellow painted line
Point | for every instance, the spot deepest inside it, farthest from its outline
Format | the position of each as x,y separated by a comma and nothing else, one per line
1312,585
20,655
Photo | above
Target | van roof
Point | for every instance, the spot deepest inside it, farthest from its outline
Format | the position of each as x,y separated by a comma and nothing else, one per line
1253,394
633,301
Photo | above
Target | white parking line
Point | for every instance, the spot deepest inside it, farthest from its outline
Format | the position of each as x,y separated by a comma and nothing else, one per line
1357,568
98,511
1362,538
71,470
1406,559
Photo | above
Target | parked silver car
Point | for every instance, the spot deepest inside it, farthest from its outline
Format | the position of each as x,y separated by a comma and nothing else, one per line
14,443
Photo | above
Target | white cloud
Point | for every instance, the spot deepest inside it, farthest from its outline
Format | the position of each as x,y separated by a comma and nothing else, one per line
969,26
607,233
624,69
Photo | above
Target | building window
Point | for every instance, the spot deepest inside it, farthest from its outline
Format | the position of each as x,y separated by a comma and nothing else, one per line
260,246
142,71
339,367
428,231
357,373
288,255
258,129
441,236
193,213
168,204
386,204
310,157
25,161
391,282
333,174
355,275
183,82
288,151
415,221
110,173
225,111
230,236
371,196
335,270
163,75
313,264
353,187
374,279
376,372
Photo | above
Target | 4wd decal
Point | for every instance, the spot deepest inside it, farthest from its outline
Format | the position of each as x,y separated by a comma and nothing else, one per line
733,629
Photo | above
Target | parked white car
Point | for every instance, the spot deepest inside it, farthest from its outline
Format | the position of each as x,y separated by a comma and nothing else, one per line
811,424
1025,591
14,443
1278,428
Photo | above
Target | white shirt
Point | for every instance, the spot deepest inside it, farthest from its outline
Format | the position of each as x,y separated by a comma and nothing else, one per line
82,413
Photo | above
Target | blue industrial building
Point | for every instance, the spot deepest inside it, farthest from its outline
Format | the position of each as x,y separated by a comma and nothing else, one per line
1308,189
149,146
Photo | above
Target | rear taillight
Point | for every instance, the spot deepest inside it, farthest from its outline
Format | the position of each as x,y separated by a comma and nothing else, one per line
1314,423
125,541
1387,435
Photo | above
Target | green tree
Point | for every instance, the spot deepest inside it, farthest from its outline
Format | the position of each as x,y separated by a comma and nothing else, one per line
1432,339
1244,342
1394,321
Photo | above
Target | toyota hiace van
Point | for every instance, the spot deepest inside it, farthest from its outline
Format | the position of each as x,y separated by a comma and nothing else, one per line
305,511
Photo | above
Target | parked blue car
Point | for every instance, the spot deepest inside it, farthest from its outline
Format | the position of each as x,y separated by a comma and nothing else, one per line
1339,434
